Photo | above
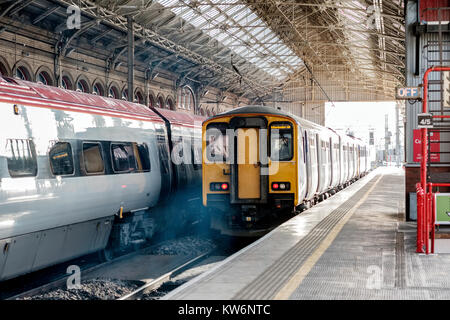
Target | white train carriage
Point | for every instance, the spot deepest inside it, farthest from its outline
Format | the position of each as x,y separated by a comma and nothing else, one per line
76,168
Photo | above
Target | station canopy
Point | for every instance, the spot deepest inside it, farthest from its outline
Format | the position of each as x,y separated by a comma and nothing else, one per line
267,43
252,47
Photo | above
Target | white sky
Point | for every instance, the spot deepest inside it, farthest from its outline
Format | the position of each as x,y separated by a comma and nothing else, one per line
359,117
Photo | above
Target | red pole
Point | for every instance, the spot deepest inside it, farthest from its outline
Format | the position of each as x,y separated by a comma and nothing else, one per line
433,217
419,243
424,214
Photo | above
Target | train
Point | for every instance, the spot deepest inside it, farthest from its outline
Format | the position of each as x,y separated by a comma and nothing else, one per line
261,164
82,173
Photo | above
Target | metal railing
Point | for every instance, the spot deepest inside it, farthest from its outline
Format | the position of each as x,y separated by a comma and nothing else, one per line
424,190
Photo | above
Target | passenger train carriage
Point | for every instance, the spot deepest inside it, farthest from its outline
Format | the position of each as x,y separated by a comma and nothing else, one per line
260,163
80,173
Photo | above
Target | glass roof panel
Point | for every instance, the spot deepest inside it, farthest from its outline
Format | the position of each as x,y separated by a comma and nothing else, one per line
237,27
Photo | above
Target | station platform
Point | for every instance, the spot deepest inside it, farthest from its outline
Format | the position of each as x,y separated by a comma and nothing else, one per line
354,245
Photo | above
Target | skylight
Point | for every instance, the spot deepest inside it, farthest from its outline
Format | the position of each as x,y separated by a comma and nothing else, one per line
237,27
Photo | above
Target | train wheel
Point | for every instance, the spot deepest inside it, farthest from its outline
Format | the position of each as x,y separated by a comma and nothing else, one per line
106,254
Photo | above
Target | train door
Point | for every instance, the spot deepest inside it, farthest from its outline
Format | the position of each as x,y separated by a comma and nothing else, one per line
345,164
313,166
302,171
351,162
322,164
248,185
164,166
334,158
329,169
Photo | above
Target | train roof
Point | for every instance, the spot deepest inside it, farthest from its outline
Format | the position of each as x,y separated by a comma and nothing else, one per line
40,95
180,118
258,109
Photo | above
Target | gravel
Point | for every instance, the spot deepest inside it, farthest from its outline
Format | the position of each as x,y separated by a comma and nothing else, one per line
96,289
111,289
164,289
189,245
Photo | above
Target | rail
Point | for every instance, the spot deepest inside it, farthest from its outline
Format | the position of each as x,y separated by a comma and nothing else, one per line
152,285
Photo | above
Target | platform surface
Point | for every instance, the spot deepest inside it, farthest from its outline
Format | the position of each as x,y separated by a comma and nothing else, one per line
355,245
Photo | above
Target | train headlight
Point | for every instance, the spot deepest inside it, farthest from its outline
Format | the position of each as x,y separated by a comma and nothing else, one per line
281,186
219,186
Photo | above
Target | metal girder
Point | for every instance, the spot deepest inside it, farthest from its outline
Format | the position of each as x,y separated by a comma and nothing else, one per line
99,36
45,14
9,8
20,7
77,33
118,21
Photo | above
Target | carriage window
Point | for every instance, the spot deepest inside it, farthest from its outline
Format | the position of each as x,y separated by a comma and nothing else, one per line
123,157
143,159
21,158
92,158
61,159
281,146
217,142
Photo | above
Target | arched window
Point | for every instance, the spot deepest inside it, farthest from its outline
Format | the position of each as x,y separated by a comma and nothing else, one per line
82,86
98,89
160,102
113,92
125,94
66,83
170,104
186,98
208,113
202,112
151,100
3,70
23,73
139,98
44,78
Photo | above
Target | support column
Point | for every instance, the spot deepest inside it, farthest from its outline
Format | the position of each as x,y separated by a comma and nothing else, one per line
130,59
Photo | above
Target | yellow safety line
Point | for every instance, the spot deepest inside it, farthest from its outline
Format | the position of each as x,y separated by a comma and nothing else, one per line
298,277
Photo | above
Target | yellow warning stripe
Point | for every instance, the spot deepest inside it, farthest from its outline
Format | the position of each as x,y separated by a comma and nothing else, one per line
298,277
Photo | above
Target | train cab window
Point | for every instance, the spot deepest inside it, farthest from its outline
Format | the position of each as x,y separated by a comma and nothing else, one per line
92,158
217,142
123,157
61,159
143,157
21,158
281,141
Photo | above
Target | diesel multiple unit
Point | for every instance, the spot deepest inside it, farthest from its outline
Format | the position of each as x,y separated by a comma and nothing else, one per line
260,163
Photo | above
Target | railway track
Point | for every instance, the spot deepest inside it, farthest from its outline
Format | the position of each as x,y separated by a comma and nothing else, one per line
155,284
61,281
126,277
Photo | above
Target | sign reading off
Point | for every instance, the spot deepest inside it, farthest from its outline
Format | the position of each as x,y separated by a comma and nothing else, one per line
405,93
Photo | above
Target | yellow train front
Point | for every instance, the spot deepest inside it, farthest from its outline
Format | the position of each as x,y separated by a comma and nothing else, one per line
249,169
